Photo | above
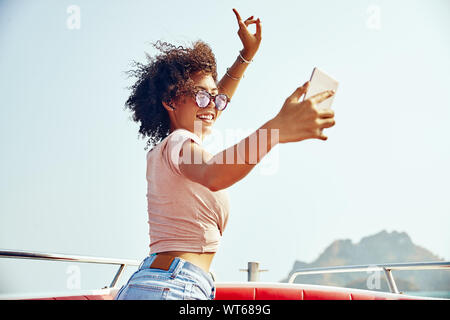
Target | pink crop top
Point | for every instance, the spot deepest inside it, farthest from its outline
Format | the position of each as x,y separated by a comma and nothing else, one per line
182,215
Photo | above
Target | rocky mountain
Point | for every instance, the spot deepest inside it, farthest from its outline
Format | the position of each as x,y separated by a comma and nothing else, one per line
383,247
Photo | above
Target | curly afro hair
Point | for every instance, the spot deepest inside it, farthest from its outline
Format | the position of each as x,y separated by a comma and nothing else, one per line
165,78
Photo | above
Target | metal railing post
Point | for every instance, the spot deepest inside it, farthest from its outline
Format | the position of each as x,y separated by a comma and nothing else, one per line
390,280
253,271
117,276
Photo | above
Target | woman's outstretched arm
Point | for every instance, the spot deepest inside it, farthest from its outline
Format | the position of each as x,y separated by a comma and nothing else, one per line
296,121
230,81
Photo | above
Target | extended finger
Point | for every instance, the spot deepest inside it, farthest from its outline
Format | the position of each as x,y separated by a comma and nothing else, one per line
238,17
318,98
299,92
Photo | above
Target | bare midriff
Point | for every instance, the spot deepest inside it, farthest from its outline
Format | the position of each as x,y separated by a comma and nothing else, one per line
202,260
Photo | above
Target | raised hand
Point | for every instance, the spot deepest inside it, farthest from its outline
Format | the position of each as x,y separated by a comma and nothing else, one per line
250,41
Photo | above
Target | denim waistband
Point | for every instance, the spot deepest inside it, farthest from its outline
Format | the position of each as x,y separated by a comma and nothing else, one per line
180,265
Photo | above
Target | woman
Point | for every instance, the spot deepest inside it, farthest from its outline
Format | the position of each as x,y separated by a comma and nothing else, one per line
177,99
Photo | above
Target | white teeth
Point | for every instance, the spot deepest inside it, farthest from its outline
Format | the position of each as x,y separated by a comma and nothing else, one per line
209,116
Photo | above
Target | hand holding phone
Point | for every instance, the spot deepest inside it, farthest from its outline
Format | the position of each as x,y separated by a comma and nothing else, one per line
299,120
319,82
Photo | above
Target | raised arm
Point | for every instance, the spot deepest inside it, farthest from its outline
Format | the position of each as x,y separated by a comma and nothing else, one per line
250,41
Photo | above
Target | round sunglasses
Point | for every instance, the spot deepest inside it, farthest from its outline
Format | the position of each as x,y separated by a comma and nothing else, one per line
203,98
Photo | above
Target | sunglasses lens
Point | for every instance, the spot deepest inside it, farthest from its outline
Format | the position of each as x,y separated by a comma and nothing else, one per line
202,99
221,101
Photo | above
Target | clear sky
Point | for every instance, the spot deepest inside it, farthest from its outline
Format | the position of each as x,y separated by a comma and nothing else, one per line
73,168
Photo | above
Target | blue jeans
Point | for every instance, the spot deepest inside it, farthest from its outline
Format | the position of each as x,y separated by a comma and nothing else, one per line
183,281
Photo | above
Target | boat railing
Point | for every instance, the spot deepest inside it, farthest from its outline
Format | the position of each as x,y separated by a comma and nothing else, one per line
122,263
386,268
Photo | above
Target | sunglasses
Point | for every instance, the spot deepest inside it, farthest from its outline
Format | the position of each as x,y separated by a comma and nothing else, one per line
203,99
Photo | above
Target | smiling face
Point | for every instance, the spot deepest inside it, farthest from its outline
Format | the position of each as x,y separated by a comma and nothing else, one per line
186,114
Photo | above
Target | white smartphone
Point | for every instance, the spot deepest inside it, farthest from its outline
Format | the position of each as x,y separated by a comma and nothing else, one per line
319,82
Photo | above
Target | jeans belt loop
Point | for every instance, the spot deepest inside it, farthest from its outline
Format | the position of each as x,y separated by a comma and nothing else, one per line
178,268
